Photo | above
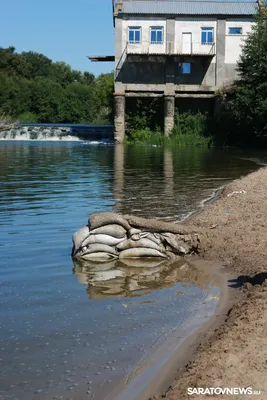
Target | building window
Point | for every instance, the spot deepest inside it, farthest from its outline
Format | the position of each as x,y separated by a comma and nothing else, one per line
206,35
134,34
235,31
156,35
185,68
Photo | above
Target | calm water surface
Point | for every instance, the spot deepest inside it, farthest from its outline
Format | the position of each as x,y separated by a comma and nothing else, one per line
73,332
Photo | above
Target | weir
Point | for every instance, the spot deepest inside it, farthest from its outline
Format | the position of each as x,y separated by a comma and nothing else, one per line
58,132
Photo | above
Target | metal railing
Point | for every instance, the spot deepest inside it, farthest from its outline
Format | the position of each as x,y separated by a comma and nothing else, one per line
171,48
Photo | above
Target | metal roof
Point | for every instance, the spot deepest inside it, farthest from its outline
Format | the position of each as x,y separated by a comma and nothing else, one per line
190,7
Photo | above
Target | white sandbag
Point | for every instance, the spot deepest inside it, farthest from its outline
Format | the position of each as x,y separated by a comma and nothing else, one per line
97,256
101,219
141,252
129,243
136,236
99,247
114,230
80,236
104,239
155,237
134,231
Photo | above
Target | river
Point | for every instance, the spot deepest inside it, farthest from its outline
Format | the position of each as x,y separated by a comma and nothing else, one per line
76,332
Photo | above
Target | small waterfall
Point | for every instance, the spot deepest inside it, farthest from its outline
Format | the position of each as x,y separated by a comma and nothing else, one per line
39,133
72,132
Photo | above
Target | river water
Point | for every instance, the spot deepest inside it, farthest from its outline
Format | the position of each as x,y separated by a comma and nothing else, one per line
77,332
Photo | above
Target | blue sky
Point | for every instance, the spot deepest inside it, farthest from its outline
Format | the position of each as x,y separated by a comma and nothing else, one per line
63,30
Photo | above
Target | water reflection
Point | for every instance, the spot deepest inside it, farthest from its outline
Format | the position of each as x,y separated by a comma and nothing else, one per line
164,183
135,277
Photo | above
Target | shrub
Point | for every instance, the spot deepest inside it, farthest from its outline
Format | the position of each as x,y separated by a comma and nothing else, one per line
27,118
189,130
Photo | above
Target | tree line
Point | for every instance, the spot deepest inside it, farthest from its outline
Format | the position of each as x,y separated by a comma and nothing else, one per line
33,88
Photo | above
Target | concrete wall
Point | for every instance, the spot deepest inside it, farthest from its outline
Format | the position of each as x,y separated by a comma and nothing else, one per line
145,24
193,26
207,73
233,45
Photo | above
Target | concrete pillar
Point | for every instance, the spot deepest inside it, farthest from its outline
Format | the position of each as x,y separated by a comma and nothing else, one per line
220,52
169,105
119,118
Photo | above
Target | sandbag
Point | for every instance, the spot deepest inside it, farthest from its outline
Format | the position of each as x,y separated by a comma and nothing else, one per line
141,252
101,219
80,236
104,239
175,244
114,230
97,256
155,237
99,247
133,231
129,243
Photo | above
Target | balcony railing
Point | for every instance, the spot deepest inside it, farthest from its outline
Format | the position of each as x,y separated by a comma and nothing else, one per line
172,48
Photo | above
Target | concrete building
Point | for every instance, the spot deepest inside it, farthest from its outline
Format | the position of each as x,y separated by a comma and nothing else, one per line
176,49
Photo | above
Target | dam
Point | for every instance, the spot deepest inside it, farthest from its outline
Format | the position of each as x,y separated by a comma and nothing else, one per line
44,131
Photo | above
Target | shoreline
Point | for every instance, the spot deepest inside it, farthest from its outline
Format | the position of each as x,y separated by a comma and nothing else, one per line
216,356
186,349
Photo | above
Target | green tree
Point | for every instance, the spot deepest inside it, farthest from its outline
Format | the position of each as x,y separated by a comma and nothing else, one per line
103,98
246,102
33,87
47,97
77,106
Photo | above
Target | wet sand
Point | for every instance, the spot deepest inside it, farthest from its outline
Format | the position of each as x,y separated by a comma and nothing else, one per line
233,354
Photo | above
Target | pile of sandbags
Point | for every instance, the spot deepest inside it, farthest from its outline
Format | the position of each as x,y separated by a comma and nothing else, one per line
109,235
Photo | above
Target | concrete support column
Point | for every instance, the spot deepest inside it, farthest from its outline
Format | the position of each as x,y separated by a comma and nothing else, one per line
119,118
169,105
220,52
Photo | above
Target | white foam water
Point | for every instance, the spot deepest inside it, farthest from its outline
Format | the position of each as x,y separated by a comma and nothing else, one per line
41,136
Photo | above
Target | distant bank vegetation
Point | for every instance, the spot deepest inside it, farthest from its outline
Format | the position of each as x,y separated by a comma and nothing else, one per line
33,88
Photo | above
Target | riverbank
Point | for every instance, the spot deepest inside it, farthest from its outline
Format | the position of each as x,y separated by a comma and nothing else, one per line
235,353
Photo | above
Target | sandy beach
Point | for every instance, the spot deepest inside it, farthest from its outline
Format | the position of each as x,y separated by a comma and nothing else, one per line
234,354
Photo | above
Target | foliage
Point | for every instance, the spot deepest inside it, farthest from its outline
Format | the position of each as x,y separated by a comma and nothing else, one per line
33,87
142,116
189,130
27,118
245,104
6,122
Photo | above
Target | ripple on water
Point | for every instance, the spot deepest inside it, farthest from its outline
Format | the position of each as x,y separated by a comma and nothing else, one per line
62,334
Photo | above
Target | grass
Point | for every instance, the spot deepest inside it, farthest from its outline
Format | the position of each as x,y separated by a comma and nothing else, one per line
189,130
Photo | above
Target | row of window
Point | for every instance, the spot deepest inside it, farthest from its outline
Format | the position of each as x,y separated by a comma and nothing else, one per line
156,34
